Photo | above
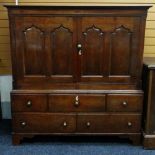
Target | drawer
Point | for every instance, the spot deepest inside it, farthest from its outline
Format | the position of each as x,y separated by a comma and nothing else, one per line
29,102
124,102
44,123
109,123
77,103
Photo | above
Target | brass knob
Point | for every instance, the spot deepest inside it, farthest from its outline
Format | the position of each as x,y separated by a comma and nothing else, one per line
23,124
88,124
29,104
65,124
129,124
124,104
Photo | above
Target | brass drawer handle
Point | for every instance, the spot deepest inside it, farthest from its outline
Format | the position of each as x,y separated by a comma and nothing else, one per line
88,124
65,124
29,104
124,104
23,124
129,124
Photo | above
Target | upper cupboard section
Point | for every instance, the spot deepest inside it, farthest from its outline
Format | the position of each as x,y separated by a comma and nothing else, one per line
70,49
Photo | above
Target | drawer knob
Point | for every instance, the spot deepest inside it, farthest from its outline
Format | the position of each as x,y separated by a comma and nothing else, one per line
65,124
29,104
125,104
129,124
88,124
23,124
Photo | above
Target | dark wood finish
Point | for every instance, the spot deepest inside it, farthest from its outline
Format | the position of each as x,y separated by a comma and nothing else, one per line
17,138
120,36
136,139
109,123
44,123
32,36
77,64
124,102
97,29
29,103
47,59
102,35
149,102
149,141
76,103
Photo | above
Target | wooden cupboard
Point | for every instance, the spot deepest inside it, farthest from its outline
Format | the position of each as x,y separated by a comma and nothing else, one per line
77,70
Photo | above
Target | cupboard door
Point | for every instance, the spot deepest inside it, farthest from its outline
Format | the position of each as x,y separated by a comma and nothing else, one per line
109,47
45,49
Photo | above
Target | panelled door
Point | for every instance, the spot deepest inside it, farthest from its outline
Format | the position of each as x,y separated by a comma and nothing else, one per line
109,48
45,49
73,49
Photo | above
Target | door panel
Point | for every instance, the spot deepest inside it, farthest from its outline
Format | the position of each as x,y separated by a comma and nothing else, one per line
109,46
45,49
120,51
93,39
61,40
34,47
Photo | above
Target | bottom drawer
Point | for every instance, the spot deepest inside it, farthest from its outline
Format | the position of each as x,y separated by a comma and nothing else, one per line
44,123
109,123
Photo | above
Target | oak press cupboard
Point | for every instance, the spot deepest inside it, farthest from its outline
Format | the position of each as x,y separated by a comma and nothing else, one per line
77,70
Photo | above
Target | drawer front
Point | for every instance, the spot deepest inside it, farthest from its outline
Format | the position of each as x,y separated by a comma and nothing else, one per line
44,123
77,103
29,102
124,102
108,123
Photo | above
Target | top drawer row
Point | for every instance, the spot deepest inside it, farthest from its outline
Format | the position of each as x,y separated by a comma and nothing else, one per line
77,103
